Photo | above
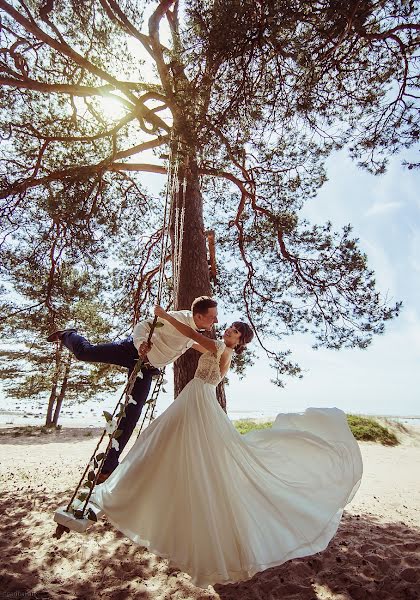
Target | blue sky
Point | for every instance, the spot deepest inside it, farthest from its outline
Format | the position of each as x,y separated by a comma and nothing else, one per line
385,378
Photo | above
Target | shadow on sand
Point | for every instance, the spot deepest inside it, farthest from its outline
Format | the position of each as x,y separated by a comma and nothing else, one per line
367,560
27,435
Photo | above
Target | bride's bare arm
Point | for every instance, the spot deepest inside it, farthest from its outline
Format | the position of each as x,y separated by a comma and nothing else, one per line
199,348
186,330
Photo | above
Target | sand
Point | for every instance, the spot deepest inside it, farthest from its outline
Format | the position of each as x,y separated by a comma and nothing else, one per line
375,554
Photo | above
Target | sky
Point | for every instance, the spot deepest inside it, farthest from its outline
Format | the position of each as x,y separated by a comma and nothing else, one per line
383,379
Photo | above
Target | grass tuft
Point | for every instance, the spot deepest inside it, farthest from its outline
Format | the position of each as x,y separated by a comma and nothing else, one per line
246,425
365,429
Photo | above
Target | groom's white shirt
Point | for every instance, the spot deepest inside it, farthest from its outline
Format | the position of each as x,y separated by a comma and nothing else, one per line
168,343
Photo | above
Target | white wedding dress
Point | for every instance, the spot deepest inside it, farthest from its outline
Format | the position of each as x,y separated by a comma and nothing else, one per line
223,506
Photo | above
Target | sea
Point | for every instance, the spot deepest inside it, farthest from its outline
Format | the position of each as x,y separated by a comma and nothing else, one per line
90,414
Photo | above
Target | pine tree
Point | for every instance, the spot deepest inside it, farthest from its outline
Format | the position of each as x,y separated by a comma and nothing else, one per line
254,96
36,369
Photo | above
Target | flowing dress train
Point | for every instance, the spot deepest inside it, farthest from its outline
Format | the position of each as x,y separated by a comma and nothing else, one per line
224,506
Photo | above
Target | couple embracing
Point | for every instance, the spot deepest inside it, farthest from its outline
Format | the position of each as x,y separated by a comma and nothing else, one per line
219,505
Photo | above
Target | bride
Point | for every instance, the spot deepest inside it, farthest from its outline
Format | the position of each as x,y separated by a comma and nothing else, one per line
223,506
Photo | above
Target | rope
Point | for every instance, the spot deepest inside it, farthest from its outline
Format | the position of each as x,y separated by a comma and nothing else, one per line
93,468
179,218
127,393
151,404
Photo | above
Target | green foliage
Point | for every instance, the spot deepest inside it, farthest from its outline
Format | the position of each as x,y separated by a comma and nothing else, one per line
258,95
247,425
37,369
367,429
107,415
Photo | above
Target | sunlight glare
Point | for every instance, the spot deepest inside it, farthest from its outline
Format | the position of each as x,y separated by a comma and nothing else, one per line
112,108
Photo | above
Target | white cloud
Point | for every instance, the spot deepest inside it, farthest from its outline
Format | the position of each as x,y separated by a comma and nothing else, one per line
380,260
414,256
380,208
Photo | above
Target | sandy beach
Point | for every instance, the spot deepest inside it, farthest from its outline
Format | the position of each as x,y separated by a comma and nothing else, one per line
375,554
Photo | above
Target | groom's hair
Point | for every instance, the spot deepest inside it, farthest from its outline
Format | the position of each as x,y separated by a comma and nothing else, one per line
202,304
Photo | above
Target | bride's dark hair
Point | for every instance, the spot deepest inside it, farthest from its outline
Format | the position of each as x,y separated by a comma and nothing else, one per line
246,335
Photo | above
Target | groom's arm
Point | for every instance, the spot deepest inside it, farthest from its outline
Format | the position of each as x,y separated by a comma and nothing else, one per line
140,336
199,348
184,329
141,332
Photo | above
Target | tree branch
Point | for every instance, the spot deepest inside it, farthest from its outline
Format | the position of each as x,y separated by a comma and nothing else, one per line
121,18
160,141
61,88
63,48
78,138
162,67
144,167
78,172
66,50
390,32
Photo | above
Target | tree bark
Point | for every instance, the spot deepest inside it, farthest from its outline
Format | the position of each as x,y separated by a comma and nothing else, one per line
62,390
194,275
53,394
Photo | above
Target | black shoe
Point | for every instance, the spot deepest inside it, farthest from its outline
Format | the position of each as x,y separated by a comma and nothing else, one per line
57,335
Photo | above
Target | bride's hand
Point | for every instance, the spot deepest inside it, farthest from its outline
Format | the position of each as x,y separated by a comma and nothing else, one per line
159,312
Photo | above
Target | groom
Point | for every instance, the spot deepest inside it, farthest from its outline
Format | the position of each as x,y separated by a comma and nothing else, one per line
167,345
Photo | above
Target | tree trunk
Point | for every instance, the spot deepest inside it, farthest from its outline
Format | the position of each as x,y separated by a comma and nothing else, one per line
53,394
62,391
194,275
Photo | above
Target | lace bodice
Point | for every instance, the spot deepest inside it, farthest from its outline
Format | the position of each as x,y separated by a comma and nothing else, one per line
208,369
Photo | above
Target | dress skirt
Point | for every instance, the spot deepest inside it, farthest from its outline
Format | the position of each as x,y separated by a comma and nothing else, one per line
222,506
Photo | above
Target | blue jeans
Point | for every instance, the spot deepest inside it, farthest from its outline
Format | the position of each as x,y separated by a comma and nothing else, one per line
123,354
